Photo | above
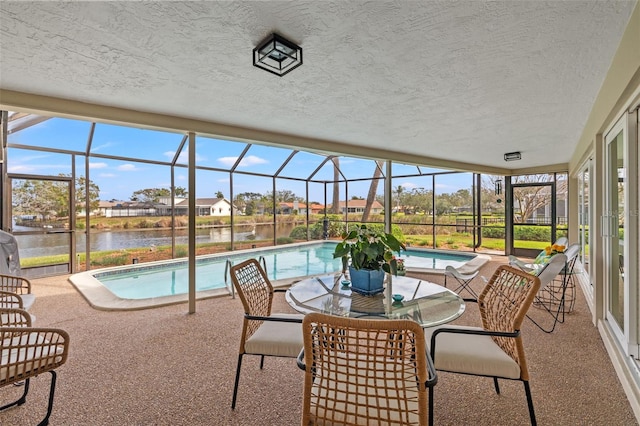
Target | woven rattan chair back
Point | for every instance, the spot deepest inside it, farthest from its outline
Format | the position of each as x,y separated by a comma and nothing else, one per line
503,304
255,291
27,352
10,317
364,372
15,292
14,284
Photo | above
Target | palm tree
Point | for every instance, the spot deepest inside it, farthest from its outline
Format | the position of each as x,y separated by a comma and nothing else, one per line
399,190
373,188
335,207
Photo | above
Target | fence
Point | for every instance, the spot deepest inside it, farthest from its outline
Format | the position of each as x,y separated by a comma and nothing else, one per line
466,225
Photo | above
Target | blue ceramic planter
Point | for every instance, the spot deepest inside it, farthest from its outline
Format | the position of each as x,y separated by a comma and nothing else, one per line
366,281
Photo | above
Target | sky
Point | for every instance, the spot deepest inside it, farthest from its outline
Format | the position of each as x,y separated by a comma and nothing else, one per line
119,178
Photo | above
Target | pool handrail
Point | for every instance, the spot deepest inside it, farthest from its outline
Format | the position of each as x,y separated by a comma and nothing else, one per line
263,262
227,274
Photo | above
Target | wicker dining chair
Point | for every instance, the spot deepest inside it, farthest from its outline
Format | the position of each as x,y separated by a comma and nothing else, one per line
365,372
29,351
263,333
495,349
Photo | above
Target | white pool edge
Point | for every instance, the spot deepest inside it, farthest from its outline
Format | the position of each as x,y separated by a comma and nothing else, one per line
468,268
100,297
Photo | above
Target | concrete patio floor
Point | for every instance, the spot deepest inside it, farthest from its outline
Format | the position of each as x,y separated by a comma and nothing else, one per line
163,366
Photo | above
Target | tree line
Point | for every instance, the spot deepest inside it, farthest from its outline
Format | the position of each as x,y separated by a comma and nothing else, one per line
49,198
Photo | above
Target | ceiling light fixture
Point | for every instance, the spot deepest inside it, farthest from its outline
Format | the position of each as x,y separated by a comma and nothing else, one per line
512,156
277,55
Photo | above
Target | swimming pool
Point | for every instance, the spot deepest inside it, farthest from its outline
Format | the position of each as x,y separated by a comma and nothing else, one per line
167,281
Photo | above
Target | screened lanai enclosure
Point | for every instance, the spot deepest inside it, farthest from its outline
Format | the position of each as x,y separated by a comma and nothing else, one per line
81,195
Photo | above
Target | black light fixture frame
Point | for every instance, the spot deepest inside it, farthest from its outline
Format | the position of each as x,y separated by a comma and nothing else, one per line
512,156
277,55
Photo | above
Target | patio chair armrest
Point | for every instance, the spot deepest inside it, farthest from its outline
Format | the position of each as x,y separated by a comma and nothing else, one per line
14,284
9,299
431,368
14,317
517,263
29,351
469,331
300,361
275,319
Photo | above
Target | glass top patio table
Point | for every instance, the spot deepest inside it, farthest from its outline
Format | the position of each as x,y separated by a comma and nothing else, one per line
426,303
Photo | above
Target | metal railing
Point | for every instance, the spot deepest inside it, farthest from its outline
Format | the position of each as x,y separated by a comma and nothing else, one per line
263,262
227,274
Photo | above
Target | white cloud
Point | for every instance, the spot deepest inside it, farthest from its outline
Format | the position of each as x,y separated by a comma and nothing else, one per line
181,177
20,168
30,168
183,158
28,158
223,180
445,186
128,168
97,148
250,160
98,165
228,161
408,185
107,175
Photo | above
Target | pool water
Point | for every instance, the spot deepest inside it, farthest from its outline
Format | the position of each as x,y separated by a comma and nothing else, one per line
432,259
170,278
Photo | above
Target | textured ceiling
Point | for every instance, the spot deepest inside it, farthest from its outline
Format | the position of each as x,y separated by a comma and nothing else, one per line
457,80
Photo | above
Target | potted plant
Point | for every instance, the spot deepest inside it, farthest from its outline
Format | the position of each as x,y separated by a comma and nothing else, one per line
368,254
548,252
400,270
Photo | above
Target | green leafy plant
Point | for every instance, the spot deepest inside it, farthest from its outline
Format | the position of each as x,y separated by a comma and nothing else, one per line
368,249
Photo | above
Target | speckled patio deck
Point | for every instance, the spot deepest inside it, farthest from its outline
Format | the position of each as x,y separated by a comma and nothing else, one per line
163,366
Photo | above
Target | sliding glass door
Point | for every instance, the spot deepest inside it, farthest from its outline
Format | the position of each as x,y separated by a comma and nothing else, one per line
620,286
584,215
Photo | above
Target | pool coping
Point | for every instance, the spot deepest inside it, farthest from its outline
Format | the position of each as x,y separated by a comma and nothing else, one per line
101,298
469,267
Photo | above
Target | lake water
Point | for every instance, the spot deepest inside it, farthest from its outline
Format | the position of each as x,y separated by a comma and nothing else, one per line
51,244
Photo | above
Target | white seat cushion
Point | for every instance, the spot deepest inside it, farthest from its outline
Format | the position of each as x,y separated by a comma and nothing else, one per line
5,318
277,338
21,360
27,300
13,301
29,339
471,354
